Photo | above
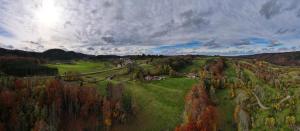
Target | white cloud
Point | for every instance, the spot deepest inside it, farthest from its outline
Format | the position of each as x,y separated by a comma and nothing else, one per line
136,26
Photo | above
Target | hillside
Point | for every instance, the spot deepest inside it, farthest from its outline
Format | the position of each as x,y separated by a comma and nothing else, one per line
52,54
284,59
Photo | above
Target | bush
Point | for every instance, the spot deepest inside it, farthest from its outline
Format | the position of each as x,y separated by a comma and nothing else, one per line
176,63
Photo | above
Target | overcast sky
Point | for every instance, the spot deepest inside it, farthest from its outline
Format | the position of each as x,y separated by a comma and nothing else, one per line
121,27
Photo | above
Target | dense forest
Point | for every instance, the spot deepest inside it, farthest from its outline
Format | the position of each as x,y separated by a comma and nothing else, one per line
31,105
25,66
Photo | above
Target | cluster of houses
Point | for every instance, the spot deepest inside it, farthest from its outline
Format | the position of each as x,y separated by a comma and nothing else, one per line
124,62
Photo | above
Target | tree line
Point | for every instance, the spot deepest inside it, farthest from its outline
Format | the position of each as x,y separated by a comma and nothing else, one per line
56,105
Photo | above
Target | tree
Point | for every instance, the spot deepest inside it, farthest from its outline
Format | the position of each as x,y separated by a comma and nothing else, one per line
290,121
200,112
242,118
270,122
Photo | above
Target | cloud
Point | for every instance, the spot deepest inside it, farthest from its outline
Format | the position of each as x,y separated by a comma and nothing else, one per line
108,39
212,44
275,7
227,27
298,13
91,48
6,46
107,4
270,9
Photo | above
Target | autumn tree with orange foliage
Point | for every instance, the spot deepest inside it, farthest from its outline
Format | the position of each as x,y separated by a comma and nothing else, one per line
200,112
59,106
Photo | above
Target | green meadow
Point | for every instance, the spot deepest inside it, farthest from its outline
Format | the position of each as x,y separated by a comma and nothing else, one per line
160,104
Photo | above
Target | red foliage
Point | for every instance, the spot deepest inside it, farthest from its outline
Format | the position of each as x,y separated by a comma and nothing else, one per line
261,70
200,111
72,124
88,96
59,105
208,119
217,68
19,84
7,98
2,127
54,93
107,112
40,125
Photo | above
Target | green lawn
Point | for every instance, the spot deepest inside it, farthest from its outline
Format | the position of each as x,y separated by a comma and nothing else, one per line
196,65
81,66
160,103
225,107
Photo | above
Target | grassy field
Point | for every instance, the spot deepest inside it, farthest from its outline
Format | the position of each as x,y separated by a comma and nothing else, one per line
225,109
160,104
82,66
195,66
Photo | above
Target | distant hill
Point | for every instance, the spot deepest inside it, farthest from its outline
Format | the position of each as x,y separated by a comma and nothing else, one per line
7,52
52,54
58,54
284,59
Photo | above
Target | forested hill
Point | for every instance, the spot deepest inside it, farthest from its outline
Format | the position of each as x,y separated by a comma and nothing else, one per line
59,54
284,59
52,54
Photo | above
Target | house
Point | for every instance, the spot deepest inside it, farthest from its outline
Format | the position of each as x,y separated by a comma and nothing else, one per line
119,65
124,62
154,78
127,61
192,75
148,78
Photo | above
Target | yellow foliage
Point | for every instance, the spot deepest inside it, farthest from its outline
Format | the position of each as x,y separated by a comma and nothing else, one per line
270,122
290,120
107,122
232,93
236,113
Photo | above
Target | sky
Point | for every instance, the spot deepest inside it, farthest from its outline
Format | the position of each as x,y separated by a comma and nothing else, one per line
167,27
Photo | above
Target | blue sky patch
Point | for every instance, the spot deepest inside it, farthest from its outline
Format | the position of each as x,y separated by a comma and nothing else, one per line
189,45
5,33
259,41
